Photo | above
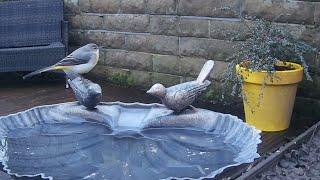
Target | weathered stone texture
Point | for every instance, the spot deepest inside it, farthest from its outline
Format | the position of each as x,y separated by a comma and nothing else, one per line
71,6
317,14
218,70
206,48
194,27
102,57
126,22
316,38
152,43
76,38
168,25
137,78
141,78
105,39
98,71
127,59
74,21
111,71
168,41
166,64
300,12
179,26
118,76
166,79
133,6
89,22
84,5
307,33
211,8
104,6
190,67
229,29
161,6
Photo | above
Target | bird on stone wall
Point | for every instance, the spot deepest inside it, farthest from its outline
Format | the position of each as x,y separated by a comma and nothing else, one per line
80,61
180,96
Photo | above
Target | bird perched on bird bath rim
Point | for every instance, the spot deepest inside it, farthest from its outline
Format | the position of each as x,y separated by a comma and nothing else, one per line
181,96
80,61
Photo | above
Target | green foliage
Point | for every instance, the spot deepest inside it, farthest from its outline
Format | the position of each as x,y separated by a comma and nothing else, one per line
122,79
265,45
209,95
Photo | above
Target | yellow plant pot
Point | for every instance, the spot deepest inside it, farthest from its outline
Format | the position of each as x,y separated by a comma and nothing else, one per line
270,108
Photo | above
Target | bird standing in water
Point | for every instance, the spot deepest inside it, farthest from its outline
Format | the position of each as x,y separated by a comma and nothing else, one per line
181,96
80,61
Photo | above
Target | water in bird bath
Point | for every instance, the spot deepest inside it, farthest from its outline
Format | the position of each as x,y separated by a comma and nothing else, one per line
90,151
123,141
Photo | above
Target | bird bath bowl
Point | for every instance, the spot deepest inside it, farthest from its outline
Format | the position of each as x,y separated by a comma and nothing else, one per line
123,141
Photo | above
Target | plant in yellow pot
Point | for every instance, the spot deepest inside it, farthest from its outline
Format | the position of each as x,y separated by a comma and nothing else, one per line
266,71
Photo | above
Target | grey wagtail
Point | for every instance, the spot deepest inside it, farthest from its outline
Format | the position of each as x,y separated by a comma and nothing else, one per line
80,61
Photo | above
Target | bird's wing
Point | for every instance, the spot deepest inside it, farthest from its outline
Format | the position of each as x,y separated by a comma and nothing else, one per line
192,87
184,97
71,61
77,57
177,99
196,89
186,93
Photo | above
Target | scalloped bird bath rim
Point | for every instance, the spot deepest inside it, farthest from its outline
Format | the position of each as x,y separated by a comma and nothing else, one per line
137,118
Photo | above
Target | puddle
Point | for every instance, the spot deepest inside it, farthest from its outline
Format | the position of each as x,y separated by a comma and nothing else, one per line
90,151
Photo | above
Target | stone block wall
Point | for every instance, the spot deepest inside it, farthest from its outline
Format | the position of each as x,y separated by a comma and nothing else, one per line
167,41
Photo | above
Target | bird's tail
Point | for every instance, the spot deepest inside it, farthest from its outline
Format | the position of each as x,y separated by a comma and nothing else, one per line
50,68
205,72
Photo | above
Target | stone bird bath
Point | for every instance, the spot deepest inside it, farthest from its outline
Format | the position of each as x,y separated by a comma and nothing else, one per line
123,141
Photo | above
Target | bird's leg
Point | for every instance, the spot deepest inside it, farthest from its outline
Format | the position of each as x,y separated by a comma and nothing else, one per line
67,83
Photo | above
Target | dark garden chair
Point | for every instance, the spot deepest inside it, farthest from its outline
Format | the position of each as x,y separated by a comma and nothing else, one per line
33,34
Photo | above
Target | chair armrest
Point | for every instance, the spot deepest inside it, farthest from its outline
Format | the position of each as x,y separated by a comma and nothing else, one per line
65,35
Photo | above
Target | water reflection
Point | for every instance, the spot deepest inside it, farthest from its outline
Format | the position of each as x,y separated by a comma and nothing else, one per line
91,151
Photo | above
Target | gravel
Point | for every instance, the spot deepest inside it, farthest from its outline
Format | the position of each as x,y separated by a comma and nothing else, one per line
301,164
